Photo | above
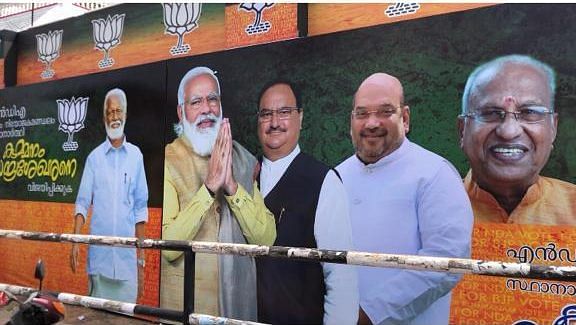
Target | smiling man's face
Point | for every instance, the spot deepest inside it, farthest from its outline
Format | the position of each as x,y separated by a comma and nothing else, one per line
277,136
375,136
508,152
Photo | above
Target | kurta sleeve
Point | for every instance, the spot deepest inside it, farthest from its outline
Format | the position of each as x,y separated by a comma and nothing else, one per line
182,224
332,230
141,193
256,221
86,190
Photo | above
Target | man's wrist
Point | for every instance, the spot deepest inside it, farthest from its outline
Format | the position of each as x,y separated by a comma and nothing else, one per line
232,189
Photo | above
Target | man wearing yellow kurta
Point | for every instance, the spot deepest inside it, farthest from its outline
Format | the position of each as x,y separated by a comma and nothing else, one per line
210,195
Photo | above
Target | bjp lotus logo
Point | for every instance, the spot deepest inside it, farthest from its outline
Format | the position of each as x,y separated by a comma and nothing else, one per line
180,19
71,116
258,26
48,47
107,33
401,9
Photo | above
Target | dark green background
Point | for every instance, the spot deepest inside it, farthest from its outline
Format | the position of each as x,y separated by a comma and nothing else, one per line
431,56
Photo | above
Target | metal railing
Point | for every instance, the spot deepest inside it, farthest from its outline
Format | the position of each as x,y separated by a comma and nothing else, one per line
413,262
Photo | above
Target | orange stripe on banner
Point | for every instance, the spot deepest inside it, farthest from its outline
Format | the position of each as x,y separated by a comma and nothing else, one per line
329,18
2,81
18,257
278,22
135,49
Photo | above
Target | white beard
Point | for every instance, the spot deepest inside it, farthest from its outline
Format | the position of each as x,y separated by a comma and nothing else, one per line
202,140
115,133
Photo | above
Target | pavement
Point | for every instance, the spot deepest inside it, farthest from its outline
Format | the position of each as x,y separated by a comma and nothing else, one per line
82,315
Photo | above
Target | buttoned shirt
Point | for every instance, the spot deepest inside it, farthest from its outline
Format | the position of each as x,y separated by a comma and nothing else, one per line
114,185
331,231
411,201
549,201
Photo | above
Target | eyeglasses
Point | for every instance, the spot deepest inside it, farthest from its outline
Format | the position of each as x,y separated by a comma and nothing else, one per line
283,113
381,112
195,103
527,114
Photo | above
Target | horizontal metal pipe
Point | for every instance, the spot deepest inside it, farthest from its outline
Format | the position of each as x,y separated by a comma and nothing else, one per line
199,319
99,303
412,262
127,308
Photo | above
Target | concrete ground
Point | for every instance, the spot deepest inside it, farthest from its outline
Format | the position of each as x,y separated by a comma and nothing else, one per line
81,315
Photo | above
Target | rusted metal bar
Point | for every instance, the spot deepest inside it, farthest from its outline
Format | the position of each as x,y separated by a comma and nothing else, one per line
128,308
198,319
99,303
413,262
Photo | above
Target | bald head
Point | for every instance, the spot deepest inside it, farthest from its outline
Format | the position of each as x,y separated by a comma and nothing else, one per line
379,120
383,82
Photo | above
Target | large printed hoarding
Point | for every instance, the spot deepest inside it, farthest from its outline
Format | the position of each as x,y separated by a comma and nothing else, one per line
432,57
46,133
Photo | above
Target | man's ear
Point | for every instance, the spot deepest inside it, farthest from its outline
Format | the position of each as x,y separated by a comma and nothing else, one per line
555,125
179,111
406,118
460,121
301,118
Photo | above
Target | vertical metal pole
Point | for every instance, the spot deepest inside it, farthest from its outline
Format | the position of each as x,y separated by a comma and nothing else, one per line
189,264
32,16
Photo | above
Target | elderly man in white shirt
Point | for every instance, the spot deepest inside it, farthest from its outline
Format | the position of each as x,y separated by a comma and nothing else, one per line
310,206
404,200
114,185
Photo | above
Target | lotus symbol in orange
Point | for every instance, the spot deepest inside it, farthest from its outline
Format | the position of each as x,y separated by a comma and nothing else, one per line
258,26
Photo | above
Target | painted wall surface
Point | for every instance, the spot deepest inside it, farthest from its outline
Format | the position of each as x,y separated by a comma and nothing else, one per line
432,56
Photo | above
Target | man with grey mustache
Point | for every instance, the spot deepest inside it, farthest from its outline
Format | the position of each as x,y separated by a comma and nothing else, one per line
507,130
210,195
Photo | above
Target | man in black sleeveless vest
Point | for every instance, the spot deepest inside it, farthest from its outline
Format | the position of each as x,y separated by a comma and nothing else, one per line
310,206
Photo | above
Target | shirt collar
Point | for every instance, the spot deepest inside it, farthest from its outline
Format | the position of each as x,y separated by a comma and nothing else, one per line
108,145
393,156
280,165
475,192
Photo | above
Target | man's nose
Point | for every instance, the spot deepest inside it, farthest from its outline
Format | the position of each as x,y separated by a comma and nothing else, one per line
373,121
274,120
204,107
116,115
509,128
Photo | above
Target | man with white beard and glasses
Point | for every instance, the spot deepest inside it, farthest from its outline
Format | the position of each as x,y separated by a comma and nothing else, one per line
114,184
210,195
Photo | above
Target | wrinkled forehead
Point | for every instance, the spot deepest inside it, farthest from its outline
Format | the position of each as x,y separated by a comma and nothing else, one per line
201,85
387,92
278,95
113,103
519,82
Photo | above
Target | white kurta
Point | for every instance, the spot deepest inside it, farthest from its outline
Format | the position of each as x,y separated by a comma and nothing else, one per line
409,202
